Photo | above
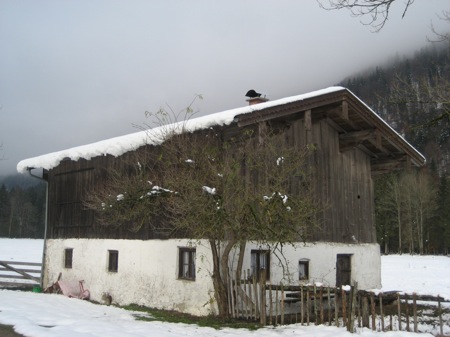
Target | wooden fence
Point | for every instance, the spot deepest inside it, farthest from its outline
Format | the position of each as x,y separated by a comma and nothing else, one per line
15,274
345,307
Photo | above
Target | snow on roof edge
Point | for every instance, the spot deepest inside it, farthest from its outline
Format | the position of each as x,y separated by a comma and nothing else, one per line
390,127
119,145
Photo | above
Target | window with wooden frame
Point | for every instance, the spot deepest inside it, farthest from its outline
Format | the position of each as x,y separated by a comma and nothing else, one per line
259,263
303,269
186,263
68,258
113,261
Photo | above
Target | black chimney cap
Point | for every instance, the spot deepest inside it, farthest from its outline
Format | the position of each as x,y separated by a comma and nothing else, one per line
252,94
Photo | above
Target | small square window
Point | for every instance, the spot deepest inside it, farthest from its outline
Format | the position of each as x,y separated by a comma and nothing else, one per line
68,257
113,261
186,260
303,270
260,261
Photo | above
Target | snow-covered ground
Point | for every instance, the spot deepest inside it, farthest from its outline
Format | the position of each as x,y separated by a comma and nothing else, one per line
43,315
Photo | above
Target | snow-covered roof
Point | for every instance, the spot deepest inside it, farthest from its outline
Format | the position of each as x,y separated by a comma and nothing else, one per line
119,145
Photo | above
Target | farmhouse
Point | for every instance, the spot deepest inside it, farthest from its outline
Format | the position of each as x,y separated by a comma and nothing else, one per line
152,268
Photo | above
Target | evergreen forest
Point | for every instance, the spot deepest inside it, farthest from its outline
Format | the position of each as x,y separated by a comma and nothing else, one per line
22,207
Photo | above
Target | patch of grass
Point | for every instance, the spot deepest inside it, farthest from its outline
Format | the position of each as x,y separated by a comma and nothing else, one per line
8,331
177,317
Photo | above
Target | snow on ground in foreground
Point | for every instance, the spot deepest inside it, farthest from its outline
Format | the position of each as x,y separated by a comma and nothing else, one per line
44,315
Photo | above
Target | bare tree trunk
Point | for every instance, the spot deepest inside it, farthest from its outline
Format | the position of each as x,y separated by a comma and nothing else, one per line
242,245
220,287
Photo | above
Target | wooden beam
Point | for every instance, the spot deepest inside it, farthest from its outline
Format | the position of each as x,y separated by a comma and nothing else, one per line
308,127
344,110
357,135
350,140
378,138
380,166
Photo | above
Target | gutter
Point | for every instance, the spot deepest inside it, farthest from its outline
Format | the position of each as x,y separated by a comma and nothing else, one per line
44,251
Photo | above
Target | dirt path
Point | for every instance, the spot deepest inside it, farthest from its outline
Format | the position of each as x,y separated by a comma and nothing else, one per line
8,331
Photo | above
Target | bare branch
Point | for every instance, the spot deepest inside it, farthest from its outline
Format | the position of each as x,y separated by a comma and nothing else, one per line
377,11
438,35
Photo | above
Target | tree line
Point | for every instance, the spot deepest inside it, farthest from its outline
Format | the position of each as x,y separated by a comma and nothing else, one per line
22,210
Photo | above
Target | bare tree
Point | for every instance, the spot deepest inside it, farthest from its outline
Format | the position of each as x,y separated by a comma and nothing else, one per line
252,187
377,11
411,198
438,35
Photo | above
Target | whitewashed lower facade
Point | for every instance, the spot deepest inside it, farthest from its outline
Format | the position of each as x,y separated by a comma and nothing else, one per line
148,272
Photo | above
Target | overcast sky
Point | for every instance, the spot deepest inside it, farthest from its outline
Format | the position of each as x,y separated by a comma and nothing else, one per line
78,71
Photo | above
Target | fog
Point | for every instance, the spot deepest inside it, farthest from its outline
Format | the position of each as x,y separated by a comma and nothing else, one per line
75,72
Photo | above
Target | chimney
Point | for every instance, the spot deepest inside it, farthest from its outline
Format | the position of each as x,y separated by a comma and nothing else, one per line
255,97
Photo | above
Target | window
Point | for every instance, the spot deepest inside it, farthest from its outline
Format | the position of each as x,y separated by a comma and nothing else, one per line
186,269
260,261
303,269
113,261
68,255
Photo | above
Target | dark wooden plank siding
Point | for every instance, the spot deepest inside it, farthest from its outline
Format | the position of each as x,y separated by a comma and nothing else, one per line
345,188
343,183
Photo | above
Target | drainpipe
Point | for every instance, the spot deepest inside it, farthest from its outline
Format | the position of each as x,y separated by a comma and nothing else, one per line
44,252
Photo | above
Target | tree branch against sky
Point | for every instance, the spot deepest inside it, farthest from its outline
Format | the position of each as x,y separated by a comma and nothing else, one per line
377,11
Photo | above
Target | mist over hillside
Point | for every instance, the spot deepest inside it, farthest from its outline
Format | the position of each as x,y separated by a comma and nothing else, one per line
18,180
412,94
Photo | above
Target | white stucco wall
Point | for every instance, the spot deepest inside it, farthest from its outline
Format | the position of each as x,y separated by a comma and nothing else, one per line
365,263
148,270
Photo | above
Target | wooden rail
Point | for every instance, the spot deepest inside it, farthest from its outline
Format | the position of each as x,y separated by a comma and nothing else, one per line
14,274
272,304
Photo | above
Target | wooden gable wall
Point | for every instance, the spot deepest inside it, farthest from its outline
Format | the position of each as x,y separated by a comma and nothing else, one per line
343,184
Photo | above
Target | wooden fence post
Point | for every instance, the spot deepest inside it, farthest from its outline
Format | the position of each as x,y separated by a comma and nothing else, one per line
441,325
262,293
344,307
354,291
329,306
359,309
237,303
302,309
399,307
415,311
365,310
308,305
316,316
336,306
282,304
350,303
270,304
407,312
321,304
255,291
372,304
380,296
249,289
